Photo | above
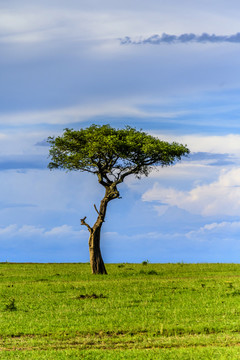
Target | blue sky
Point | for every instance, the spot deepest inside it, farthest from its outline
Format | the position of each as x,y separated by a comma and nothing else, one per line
144,64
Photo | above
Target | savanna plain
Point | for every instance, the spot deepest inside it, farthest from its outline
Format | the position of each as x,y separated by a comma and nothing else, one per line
137,311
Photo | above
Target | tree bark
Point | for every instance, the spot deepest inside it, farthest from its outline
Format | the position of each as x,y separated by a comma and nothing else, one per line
96,261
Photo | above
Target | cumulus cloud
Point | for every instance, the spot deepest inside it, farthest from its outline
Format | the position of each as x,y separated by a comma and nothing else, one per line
183,38
221,197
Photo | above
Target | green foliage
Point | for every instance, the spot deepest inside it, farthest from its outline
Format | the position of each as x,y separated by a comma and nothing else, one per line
166,311
112,153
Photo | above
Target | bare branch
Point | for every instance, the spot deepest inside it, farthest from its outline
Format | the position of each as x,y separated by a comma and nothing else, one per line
96,209
127,173
100,179
83,222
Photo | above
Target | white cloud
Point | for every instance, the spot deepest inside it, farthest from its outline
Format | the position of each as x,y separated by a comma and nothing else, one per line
47,23
38,231
72,114
8,230
65,230
161,209
221,197
36,22
115,108
224,229
29,230
222,144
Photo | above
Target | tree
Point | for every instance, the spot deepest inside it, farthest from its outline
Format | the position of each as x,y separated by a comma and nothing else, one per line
112,155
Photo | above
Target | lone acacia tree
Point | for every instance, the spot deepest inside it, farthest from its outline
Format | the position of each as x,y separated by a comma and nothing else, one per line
112,155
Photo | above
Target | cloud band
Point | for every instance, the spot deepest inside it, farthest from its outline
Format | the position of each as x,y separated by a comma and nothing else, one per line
183,38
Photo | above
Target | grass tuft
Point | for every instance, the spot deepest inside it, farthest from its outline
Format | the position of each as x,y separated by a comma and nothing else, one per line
11,306
92,296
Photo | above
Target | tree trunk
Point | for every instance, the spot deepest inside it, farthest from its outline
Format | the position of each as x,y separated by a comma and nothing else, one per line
96,261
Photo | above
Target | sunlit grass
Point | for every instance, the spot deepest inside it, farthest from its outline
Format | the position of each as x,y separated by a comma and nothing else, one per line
138,311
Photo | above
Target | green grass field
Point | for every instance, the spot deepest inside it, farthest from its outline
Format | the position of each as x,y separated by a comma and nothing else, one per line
153,311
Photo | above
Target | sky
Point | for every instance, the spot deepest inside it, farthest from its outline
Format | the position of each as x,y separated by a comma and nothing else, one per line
170,68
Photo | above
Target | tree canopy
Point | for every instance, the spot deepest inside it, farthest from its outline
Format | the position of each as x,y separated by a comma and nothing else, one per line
111,153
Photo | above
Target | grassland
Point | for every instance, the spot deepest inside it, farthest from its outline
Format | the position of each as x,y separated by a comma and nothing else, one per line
153,311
